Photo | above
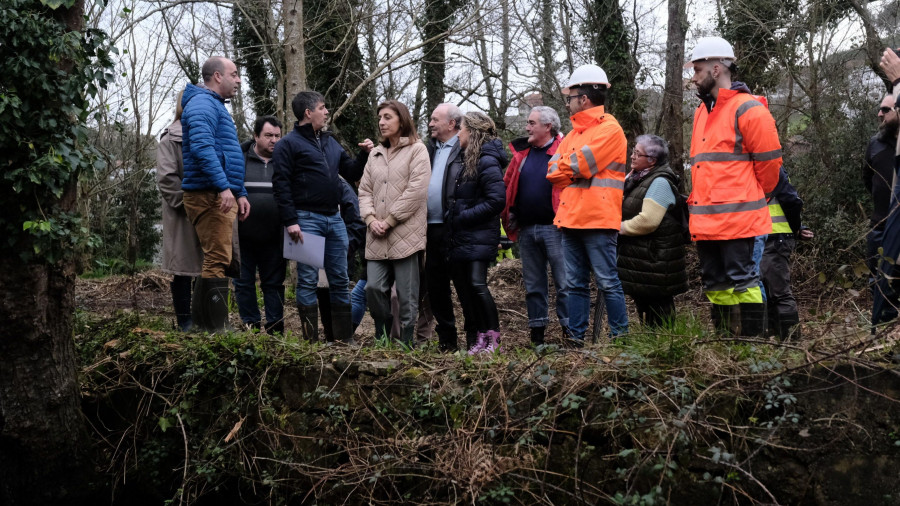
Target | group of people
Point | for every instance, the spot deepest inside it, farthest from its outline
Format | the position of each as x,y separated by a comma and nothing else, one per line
882,164
428,214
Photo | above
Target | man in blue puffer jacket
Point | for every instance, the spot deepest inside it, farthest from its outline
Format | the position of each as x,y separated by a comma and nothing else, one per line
213,185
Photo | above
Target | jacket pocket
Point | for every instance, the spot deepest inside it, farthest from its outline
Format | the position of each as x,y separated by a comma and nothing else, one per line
725,194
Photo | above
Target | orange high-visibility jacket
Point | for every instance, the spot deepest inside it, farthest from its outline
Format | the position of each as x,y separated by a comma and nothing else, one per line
589,166
735,159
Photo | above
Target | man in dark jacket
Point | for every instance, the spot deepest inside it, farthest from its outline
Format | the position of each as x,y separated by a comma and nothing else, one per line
213,185
443,149
307,188
785,207
878,176
261,234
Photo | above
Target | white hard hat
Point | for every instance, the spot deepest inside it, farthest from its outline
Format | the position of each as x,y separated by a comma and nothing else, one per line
711,48
587,74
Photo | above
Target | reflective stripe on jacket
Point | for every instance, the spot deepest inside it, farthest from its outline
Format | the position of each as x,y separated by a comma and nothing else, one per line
589,166
780,223
735,160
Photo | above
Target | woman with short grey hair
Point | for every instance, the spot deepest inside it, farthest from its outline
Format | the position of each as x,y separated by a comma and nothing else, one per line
651,258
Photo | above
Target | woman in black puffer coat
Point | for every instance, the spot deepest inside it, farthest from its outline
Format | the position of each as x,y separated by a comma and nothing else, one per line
651,257
474,201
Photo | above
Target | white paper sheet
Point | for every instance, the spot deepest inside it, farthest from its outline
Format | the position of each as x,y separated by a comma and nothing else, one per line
310,252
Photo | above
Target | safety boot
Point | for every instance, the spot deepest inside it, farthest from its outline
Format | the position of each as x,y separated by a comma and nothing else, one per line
309,322
721,317
789,327
753,319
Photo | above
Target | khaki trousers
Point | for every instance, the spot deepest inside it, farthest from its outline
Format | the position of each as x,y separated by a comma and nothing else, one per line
214,229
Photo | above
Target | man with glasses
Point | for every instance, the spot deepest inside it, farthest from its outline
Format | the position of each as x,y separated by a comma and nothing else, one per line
878,176
589,168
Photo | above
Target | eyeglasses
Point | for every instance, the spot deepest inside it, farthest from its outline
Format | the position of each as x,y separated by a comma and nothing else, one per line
641,155
570,97
882,109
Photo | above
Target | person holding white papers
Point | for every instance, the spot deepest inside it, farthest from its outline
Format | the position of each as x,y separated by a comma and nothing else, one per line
307,188
393,202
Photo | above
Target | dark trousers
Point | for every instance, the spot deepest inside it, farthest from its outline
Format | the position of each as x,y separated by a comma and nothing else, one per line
728,271
775,269
873,258
479,309
656,312
269,260
438,277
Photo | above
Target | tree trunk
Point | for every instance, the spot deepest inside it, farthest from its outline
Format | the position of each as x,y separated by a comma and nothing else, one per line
673,94
45,449
44,446
294,49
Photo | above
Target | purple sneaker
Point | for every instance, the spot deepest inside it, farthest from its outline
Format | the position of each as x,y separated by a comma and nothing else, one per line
480,343
493,341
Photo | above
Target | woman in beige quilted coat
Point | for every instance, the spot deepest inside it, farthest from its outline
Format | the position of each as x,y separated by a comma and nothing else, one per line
392,201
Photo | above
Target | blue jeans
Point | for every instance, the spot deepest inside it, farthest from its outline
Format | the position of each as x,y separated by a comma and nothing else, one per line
358,303
588,250
538,246
332,228
268,258
759,247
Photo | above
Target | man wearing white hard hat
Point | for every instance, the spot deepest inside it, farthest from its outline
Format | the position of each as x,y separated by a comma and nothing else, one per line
735,162
589,167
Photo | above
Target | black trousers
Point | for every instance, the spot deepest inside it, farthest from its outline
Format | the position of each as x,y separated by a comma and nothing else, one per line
656,312
437,270
479,309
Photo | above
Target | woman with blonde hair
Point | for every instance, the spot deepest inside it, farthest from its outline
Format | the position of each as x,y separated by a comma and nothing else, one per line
181,253
392,201
475,198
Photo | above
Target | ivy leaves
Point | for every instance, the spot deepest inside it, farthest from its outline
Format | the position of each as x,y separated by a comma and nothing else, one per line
50,69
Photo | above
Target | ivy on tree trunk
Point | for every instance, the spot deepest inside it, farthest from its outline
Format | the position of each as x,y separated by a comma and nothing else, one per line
51,62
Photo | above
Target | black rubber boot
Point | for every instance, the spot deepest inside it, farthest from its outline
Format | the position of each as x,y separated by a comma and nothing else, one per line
772,319
198,316
537,336
382,328
181,301
216,294
323,295
789,327
753,319
408,336
721,317
471,338
309,322
342,323
565,332
447,342
275,327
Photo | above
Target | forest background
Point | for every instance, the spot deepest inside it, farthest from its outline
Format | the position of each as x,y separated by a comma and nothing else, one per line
815,61
88,86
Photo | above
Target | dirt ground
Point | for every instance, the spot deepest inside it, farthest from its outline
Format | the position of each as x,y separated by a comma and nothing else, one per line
148,292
